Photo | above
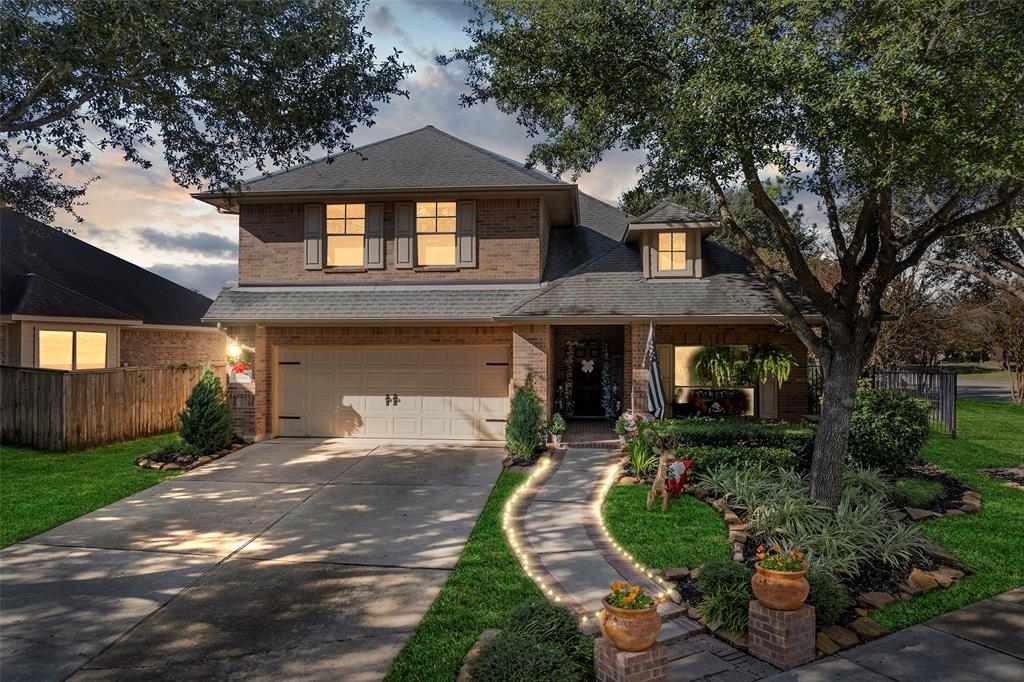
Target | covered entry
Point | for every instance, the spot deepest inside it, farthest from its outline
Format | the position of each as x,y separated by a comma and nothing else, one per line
447,392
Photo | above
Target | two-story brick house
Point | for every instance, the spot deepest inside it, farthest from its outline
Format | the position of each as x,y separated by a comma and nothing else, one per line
405,289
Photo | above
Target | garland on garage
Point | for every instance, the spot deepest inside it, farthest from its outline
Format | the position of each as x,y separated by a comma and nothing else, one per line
609,400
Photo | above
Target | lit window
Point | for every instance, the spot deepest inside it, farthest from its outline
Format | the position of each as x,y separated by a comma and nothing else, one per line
90,350
692,397
346,225
671,251
72,350
435,232
56,349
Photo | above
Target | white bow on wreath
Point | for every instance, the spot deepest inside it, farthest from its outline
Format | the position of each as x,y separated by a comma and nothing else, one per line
587,366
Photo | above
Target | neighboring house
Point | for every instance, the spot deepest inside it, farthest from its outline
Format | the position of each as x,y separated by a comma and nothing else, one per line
67,305
405,289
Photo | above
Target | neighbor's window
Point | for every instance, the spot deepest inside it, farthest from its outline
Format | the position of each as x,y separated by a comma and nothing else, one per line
435,232
346,226
72,350
692,397
671,251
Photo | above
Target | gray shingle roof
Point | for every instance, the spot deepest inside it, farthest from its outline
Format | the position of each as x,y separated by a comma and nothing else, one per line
600,230
614,285
424,158
49,273
670,212
363,303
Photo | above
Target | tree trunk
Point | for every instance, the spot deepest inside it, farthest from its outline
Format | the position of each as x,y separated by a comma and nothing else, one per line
840,387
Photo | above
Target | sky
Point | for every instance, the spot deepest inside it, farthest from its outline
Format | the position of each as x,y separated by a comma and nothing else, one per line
142,216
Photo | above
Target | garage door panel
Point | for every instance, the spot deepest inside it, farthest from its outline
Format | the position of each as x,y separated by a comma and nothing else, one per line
444,391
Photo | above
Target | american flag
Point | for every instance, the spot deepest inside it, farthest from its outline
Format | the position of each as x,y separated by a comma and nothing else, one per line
655,394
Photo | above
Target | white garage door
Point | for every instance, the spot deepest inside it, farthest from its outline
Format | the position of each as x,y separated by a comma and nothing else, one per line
456,392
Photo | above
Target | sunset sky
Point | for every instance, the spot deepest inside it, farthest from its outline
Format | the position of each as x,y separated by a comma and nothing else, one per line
142,216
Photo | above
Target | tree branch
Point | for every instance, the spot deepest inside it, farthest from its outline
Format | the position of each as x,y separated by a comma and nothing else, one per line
980,274
831,209
19,109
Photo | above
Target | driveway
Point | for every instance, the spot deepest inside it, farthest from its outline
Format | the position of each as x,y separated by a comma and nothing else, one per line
989,389
290,558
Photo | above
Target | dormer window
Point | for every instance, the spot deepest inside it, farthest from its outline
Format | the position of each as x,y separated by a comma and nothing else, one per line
346,229
671,251
436,225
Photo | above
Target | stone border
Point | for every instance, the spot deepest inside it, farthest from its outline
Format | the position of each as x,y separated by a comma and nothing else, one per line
144,462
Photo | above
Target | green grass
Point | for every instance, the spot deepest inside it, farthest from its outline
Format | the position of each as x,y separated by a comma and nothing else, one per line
40,490
690,533
917,492
991,541
485,585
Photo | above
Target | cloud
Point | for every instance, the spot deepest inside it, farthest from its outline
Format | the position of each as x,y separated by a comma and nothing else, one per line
202,243
451,11
206,278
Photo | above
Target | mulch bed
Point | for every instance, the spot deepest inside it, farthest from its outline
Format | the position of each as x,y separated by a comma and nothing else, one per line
952,489
1013,477
188,462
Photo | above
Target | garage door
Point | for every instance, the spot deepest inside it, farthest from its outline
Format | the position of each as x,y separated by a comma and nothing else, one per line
456,392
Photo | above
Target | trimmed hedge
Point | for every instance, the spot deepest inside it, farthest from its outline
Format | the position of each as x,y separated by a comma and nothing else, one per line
706,457
748,434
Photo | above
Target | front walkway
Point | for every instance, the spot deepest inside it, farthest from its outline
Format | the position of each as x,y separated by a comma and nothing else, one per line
564,533
983,642
292,558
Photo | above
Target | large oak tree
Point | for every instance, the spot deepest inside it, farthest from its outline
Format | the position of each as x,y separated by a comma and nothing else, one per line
227,88
868,105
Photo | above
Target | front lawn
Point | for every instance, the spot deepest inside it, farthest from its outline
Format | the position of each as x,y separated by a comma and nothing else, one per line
689,534
40,490
485,585
991,541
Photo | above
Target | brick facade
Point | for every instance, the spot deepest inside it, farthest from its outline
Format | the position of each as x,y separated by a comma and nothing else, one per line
143,347
532,353
271,250
792,395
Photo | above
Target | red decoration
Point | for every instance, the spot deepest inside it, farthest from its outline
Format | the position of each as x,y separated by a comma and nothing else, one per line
240,368
676,474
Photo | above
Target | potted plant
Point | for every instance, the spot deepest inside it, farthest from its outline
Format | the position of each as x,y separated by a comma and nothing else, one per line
620,429
780,582
630,619
556,427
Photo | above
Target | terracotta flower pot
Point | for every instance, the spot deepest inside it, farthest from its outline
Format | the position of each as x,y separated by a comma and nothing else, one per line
630,629
780,590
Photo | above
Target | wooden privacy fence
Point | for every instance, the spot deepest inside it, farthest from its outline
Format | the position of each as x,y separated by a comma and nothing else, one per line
937,386
62,411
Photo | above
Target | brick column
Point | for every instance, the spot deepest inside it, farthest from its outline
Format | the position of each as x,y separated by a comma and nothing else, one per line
635,375
615,665
783,638
262,385
531,352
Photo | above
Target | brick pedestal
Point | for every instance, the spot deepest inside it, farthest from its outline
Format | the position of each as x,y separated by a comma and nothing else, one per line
615,665
783,638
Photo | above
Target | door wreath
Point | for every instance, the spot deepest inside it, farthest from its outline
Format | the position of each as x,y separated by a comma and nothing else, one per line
609,399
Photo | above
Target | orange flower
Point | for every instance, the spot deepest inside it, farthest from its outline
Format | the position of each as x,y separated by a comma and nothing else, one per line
760,548
776,549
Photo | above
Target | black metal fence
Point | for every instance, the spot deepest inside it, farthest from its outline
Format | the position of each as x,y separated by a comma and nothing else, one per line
936,385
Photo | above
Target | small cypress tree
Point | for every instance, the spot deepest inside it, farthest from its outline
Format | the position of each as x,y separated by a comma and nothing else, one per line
523,429
206,419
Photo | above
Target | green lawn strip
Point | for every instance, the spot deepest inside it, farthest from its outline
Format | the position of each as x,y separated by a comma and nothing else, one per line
690,533
991,541
40,490
483,587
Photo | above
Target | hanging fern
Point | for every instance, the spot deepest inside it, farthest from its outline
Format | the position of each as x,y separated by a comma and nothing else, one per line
770,360
715,366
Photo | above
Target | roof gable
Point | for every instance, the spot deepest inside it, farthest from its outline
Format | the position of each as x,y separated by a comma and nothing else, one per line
48,273
671,212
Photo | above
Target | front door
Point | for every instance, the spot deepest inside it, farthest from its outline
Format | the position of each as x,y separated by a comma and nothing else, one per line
586,380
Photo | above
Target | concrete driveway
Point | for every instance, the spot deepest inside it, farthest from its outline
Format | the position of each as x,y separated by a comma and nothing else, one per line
290,558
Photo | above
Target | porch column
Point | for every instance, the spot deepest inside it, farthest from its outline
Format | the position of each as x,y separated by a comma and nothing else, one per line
531,352
635,375
263,371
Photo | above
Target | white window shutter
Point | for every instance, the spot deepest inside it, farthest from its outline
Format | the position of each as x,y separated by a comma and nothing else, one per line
465,235
373,239
404,218
314,236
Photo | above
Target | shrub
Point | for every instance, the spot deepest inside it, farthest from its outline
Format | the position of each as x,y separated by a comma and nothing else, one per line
641,453
525,423
542,621
557,425
888,429
867,481
828,596
706,457
916,492
171,452
521,659
727,593
706,431
206,419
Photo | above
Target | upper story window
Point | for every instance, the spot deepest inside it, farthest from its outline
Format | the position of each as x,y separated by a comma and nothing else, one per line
346,228
72,349
435,232
671,251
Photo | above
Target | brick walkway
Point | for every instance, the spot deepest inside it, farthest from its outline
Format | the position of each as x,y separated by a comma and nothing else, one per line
564,547
589,433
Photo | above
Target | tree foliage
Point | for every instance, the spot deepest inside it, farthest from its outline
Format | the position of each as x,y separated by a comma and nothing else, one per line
206,419
229,88
903,118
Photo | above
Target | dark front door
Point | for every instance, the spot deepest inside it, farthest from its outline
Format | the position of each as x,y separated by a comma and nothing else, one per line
586,381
